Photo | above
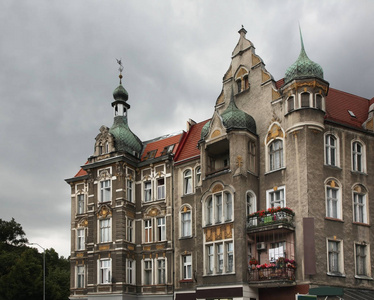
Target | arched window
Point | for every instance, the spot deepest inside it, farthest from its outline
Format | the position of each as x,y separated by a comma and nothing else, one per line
305,100
318,103
276,155
239,84
106,147
331,147
359,204
187,182
219,208
209,211
251,203
333,200
290,103
186,217
198,175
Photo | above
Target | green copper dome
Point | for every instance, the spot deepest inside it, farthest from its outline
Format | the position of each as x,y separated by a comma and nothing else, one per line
303,67
234,118
120,93
125,140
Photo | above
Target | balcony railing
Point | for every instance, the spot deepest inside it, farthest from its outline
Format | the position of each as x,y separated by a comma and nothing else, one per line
272,216
272,273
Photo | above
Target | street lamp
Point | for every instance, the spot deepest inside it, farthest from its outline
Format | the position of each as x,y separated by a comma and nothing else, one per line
43,267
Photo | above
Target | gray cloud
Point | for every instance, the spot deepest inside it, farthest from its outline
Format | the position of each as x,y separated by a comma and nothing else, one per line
58,72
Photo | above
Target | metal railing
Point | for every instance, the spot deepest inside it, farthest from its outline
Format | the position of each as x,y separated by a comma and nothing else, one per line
273,273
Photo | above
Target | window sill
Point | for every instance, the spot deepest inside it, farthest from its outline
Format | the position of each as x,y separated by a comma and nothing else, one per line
276,170
219,274
186,281
359,172
336,274
333,167
186,237
363,277
361,224
334,219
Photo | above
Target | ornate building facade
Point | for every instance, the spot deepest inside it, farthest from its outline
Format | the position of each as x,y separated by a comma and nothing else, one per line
267,199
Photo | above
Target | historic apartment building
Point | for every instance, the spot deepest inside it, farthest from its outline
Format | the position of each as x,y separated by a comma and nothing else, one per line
267,199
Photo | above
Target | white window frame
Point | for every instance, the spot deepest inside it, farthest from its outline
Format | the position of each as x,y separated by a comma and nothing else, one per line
147,271
276,157
330,201
366,263
328,148
198,175
148,230
220,211
322,102
339,269
161,229
80,276
130,190
105,271
105,190
130,223
269,194
81,237
161,270
217,257
358,206
130,271
147,190
81,204
187,182
251,202
358,156
187,267
186,224
161,188
105,230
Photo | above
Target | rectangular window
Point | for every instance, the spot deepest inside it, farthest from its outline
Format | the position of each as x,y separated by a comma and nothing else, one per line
104,271
105,191
80,204
276,198
80,239
160,188
219,248
130,230
210,259
80,277
130,271
330,149
147,272
357,152
105,231
161,275
130,184
228,207
187,266
334,257
147,191
186,223
218,208
148,231
161,229
230,257
332,202
276,155
361,262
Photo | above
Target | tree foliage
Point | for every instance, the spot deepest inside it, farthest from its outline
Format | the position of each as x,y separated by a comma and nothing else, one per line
21,272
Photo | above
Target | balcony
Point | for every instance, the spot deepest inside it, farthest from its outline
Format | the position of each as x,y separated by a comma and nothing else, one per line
270,275
273,218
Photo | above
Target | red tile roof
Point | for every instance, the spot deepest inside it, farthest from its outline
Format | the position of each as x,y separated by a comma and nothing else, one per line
279,83
188,148
338,103
81,172
160,144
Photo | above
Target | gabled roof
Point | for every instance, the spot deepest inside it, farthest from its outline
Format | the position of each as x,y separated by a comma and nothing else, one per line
158,145
188,148
81,172
338,105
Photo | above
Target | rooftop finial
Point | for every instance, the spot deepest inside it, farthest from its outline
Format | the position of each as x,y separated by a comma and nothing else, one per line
120,69
301,39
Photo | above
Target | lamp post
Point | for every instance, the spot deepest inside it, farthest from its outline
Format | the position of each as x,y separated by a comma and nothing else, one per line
43,267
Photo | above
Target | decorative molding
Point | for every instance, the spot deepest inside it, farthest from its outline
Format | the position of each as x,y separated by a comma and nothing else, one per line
217,188
265,76
215,133
275,94
219,232
255,60
104,211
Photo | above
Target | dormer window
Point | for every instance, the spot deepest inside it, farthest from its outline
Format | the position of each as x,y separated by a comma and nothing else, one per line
242,80
351,113
150,154
167,149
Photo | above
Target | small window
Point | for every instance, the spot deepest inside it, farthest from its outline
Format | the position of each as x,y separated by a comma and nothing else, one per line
150,154
187,183
160,188
147,191
167,150
161,272
359,204
130,187
239,84
351,113
246,82
333,200
130,230
105,271
80,239
276,155
130,274
198,175
161,229
331,150
105,191
105,235
148,237
80,204
80,277
361,260
335,261
187,267
186,222
357,157
305,100
318,103
276,197
147,275
290,103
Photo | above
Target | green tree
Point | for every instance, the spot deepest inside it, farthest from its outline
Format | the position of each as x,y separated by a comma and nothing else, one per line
11,232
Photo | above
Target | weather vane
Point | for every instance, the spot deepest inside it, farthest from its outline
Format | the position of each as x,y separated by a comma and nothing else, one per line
120,69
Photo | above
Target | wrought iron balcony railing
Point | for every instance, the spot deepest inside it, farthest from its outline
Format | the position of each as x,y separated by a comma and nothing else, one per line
272,273
271,216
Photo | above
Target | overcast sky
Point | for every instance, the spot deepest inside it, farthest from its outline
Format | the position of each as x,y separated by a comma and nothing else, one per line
58,72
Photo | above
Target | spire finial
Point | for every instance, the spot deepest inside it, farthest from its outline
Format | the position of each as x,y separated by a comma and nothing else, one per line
301,39
120,69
